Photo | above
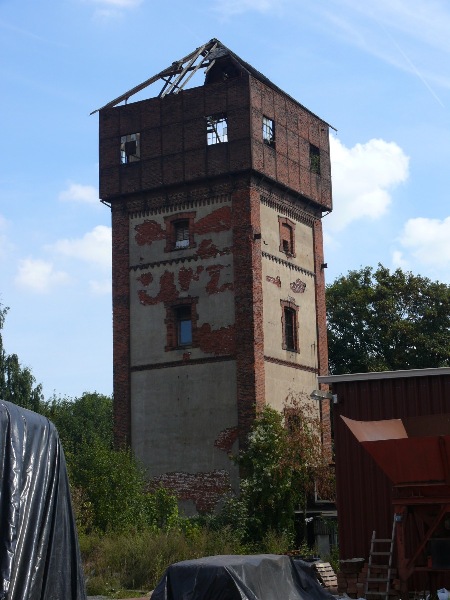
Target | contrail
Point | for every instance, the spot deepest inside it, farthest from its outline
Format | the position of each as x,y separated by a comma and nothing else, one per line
413,66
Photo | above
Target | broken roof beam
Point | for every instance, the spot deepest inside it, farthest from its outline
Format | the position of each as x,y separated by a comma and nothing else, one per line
174,69
178,83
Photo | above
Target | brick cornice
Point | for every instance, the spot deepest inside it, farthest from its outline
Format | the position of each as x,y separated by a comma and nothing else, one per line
174,261
288,208
288,264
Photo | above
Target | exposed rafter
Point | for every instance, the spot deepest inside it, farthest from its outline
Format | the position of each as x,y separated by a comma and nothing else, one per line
178,74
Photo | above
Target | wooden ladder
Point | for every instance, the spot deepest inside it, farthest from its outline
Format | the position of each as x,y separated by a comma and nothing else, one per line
381,551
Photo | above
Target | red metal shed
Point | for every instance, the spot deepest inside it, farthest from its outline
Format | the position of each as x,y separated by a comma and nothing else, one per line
364,493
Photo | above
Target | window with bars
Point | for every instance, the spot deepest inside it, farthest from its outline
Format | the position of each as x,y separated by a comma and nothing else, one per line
130,148
268,131
216,129
181,234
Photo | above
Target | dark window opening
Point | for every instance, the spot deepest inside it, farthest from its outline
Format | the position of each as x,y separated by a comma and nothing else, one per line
184,325
268,131
216,129
289,325
130,148
181,234
289,329
314,159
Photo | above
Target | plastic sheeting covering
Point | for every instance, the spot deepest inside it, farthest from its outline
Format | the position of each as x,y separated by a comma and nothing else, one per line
39,554
254,577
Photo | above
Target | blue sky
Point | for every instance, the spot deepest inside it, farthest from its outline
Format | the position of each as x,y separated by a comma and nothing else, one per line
378,71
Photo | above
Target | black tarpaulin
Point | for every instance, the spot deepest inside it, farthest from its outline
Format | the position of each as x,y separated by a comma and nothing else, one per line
39,555
250,577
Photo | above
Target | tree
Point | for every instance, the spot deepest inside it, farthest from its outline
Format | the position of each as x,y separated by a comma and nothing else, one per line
378,321
282,466
17,383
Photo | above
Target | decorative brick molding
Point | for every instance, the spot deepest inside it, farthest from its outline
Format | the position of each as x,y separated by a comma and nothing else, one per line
178,363
298,286
275,280
287,363
286,263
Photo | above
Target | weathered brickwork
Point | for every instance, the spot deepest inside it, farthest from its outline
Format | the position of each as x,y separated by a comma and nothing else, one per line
220,239
204,489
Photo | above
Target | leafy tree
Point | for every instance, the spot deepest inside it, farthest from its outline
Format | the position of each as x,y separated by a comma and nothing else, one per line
282,465
378,320
17,383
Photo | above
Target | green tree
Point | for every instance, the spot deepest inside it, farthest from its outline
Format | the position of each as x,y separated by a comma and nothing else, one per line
17,383
381,320
282,465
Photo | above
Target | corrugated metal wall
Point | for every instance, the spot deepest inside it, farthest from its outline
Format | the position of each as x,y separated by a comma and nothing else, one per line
364,497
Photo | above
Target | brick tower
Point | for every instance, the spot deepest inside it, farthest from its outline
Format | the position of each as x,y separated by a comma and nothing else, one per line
216,195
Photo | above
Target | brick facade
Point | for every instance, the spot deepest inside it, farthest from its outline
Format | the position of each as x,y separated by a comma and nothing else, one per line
228,233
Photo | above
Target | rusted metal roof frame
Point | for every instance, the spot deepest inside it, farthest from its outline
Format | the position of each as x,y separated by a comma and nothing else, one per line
186,67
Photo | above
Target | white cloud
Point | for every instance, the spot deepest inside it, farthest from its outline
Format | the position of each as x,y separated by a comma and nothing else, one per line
39,275
363,177
428,241
76,192
94,247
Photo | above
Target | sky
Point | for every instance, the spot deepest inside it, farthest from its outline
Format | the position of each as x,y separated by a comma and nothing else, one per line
377,71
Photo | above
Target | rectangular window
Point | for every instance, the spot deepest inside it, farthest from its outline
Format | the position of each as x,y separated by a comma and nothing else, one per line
289,325
181,234
314,159
287,236
184,325
289,329
216,129
268,131
130,148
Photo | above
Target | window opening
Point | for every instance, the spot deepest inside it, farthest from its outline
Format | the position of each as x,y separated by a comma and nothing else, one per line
290,329
287,238
130,148
268,131
181,234
314,159
216,129
184,325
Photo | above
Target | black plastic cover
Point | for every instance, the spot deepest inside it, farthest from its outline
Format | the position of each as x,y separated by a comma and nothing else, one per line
39,554
250,577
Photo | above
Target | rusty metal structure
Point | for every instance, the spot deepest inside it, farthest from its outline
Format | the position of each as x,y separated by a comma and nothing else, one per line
415,455
365,493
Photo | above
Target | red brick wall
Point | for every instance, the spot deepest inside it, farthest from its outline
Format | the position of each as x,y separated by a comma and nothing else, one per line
121,324
248,307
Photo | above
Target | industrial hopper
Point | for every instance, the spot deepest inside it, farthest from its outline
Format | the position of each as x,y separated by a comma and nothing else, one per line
414,453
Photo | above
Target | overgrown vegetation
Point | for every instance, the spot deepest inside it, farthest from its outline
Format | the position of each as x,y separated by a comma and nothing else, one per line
128,536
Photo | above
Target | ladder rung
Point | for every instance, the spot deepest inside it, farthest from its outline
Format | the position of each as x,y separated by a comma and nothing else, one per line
380,540
381,553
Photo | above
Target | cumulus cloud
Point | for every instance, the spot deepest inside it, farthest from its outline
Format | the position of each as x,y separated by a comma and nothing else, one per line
94,247
428,241
39,275
363,178
76,192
